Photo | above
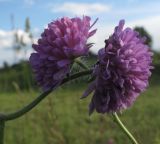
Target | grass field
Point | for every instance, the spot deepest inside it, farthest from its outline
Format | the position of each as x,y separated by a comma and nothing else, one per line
62,118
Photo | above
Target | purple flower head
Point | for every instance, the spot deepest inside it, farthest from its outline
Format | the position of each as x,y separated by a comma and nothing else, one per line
64,40
122,71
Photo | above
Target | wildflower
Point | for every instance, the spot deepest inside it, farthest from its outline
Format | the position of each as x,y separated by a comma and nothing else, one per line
61,42
121,73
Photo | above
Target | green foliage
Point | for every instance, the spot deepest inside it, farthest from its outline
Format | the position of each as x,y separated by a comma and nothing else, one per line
156,59
62,118
28,27
143,32
19,42
20,74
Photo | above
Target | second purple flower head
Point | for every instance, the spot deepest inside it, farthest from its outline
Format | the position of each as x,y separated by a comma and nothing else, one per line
122,71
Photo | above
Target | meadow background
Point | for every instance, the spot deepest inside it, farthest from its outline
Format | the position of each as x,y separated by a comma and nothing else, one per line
62,118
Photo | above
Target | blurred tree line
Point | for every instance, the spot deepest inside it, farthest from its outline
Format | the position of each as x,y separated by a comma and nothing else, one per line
20,75
143,33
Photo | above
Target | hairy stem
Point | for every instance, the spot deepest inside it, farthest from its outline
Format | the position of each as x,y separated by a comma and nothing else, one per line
30,106
118,121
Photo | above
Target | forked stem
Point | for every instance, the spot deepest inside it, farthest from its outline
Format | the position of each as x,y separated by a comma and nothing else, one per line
81,64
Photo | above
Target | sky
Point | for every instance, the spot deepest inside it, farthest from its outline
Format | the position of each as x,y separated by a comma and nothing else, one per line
144,13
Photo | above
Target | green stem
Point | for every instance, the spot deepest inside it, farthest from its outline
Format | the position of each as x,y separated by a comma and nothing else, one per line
27,108
80,63
118,121
2,125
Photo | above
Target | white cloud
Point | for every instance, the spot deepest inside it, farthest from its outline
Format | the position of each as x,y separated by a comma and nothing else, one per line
151,24
81,8
7,38
7,43
103,32
135,8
